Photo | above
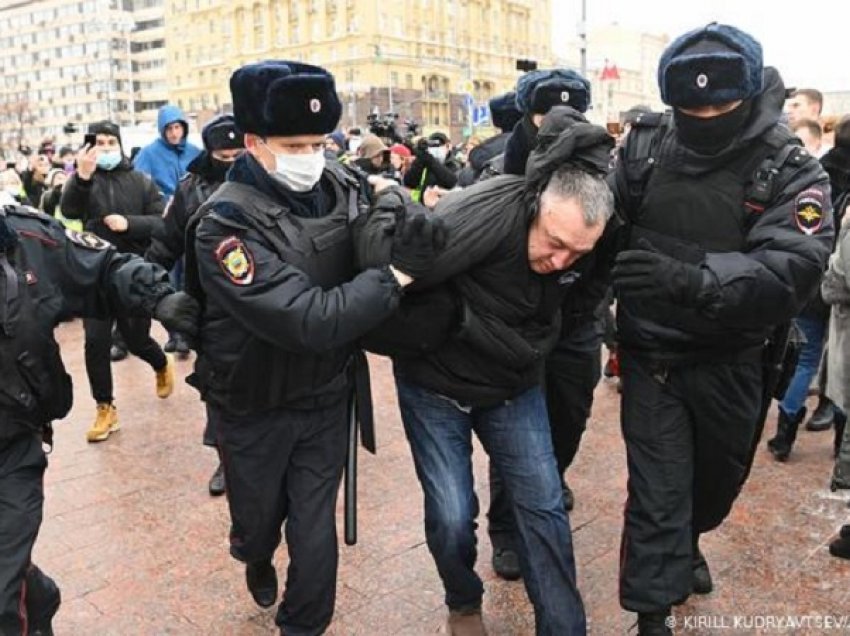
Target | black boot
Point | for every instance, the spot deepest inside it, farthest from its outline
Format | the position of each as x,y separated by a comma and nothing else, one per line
569,498
654,624
823,415
42,602
840,422
181,346
702,583
505,560
840,547
216,485
262,582
786,432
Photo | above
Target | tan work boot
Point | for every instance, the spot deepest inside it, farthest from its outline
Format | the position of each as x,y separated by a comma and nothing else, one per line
466,623
105,423
165,378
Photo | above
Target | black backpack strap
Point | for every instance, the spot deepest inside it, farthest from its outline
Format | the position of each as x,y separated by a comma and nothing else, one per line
638,157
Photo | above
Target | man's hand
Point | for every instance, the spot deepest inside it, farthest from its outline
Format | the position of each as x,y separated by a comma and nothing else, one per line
416,242
86,162
432,195
116,222
648,274
179,312
379,184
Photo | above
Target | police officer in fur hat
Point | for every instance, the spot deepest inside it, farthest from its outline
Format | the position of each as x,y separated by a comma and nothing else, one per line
536,93
49,275
729,229
505,115
222,146
271,255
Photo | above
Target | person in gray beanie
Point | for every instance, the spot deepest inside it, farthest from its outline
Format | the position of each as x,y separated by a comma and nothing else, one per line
728,229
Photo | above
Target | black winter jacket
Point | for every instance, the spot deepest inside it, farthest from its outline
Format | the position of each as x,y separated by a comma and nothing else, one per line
276,317
744,293
168,242
479,156
509,315
60,275
121,191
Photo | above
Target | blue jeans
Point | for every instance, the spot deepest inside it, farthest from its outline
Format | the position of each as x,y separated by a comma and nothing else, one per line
798,389
516,436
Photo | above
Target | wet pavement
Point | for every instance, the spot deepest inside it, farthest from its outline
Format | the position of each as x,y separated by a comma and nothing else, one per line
139,547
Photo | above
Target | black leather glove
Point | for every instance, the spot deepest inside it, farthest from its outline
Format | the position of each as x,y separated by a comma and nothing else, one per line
179,312
417,240
374,243
648,274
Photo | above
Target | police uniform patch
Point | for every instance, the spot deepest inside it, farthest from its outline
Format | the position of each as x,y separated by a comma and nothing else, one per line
235,260
808,211
87,240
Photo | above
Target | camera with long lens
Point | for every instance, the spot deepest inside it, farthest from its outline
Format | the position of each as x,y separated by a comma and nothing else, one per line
383,126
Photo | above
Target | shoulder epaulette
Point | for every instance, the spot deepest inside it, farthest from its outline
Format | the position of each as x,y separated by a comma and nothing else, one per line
28,211
228,212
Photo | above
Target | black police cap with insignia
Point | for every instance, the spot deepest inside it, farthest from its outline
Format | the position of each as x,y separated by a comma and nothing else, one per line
220,133
503,111
539,91
278,98
715,64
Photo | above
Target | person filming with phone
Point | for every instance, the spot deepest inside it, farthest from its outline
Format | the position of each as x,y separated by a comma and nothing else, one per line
123,206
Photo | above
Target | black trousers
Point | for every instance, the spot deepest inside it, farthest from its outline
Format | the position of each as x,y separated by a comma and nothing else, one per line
688,431
210,437
22,465
136,333
286,465
571,377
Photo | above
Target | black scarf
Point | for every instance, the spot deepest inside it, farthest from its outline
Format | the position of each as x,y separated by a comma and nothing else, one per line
710,135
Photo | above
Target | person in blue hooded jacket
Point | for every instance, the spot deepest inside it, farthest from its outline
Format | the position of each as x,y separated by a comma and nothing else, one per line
167,159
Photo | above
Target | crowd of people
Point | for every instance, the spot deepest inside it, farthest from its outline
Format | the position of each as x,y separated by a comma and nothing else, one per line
703,246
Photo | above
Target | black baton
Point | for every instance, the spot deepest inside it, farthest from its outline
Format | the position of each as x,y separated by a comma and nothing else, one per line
351,475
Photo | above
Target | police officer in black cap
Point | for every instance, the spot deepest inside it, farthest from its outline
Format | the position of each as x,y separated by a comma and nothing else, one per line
222,145
272,256
49,274
504,114
729,229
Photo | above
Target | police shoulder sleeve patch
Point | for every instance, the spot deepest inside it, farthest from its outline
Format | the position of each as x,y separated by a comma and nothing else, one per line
236,260
87,240
808,211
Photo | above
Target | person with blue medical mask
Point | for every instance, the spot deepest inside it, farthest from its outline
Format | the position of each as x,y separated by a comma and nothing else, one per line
124,207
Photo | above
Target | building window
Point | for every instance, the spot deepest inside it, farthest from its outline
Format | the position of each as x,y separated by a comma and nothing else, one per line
259,28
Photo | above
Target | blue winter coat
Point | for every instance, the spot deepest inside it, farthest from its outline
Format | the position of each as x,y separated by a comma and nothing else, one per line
164,162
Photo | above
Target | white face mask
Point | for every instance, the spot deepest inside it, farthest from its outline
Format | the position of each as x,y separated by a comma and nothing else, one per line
438,153
298,172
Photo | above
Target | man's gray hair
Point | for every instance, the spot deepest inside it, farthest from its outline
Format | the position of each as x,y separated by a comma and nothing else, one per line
591,192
